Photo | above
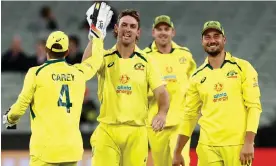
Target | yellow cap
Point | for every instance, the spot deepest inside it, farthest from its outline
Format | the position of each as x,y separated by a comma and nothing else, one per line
58,37
162,19
212,25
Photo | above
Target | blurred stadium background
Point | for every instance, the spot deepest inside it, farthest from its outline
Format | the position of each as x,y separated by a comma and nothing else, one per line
250,30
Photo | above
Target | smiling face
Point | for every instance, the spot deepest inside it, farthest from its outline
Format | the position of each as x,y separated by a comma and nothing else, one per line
213,42
128,30
163,34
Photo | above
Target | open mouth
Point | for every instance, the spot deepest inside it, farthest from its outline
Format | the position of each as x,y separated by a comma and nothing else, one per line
126,35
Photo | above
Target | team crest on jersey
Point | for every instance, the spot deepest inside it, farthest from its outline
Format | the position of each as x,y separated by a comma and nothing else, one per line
182,60
139,66
218,87
232,74
126,89
169,69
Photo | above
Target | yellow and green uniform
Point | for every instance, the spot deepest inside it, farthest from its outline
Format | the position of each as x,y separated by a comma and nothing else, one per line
122,91
55,91
227,102
176,67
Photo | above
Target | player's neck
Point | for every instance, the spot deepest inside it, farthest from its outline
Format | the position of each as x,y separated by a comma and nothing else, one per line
164,49
125,51
217,61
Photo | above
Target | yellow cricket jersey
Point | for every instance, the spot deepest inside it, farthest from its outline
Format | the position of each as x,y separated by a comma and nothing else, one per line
123,85
229,98
55,91
176,68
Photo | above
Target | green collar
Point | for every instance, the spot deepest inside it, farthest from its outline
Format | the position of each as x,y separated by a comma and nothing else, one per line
54,61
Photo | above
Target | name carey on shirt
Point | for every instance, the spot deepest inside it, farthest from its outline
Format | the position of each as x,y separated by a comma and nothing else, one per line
63,77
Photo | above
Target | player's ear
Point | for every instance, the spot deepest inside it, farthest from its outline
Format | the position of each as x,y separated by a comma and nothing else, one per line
173,32
138,33
153,32
66,53
224,39
116,28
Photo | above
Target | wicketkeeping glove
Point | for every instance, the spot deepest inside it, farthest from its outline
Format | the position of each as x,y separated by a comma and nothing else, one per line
6,122
98,17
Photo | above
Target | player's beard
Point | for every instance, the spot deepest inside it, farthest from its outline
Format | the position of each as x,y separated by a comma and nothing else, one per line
213,53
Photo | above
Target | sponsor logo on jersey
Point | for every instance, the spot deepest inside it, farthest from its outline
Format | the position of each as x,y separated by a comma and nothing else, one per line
170,78
126,89
139,66
220,97
218,87
255,82
169,69
203,80
110,64
124,79
182,60
232,74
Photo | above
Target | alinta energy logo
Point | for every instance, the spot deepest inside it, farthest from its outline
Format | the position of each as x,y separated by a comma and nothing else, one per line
220,96
123,88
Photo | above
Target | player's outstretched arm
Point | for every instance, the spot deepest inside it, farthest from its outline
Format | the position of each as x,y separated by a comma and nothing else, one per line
98,17
24,99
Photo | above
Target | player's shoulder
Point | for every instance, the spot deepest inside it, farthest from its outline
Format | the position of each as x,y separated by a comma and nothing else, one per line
110,52
241,63
33,70
142,54
148,49
36,69
200,70
181,48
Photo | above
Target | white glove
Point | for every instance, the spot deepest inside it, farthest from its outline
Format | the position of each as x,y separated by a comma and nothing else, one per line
98,17
6,122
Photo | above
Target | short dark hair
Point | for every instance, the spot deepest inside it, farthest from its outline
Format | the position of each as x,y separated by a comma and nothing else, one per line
56,55
128,12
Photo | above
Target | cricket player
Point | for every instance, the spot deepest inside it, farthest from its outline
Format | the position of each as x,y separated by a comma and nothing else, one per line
226,89
55,91
124,78
177,65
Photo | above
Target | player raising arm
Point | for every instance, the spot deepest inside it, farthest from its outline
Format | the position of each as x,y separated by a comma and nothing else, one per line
123,82
55,91
177,65
226,89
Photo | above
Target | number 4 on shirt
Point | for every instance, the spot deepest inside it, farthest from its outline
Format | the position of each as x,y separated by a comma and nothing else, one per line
67,104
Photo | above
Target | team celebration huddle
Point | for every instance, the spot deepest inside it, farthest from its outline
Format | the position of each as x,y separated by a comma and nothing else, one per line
150,98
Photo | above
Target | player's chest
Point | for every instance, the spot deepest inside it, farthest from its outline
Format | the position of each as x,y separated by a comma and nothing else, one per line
220,83
171,63
126,71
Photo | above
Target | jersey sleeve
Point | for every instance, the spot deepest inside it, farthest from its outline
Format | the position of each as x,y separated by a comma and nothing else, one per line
191,110
25,97
192,66
251,96
154,76
91,65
